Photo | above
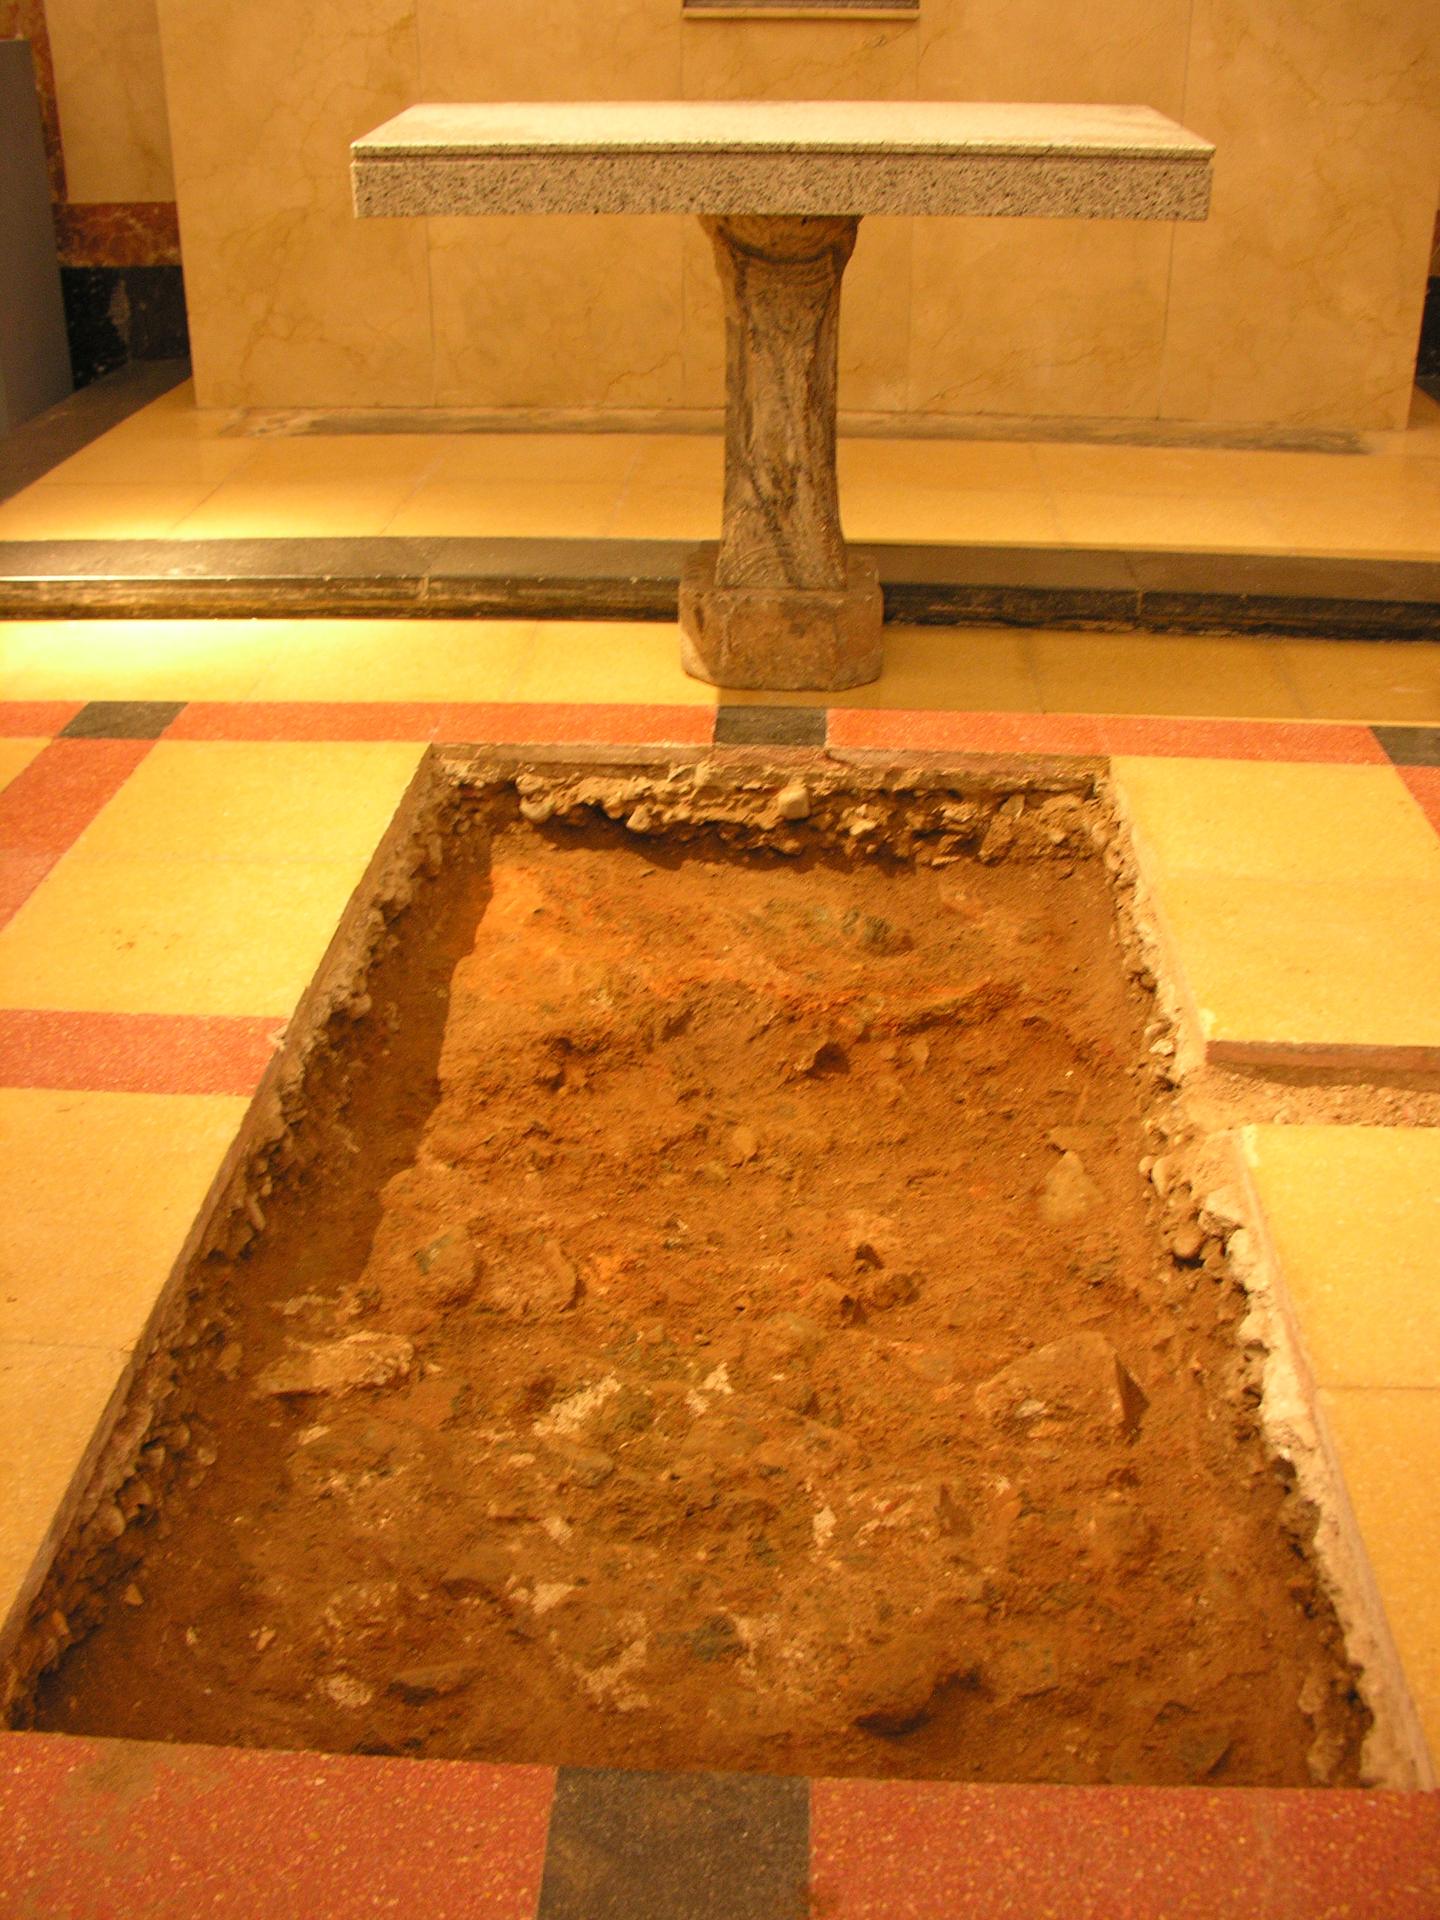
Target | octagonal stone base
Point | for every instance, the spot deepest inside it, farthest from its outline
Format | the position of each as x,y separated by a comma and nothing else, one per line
784,639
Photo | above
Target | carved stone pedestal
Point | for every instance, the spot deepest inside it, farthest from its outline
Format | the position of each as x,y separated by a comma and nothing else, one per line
783,638
779,603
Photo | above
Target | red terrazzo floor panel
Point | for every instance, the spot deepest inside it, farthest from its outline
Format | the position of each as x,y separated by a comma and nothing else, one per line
112,1830
1424,783
135,1052
50,803
545,723
901,1851
35,719
20,874
376,720
1307,741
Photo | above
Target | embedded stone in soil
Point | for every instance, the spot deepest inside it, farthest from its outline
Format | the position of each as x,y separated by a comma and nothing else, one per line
764,1356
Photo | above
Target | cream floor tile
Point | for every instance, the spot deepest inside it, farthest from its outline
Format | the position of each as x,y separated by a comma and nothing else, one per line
396,660
133,659
1307,964
242,509
1400,529
1358,680
508,509
173,936
669,511
52,1401
679,460
124,457
1268,821
1354,1217
1071,469
126,510
969,669
964,670
91,1274
1220,523
374,459
966,466
15,756
560,458
1159,673
610,661
277,801
956,515
1388,1441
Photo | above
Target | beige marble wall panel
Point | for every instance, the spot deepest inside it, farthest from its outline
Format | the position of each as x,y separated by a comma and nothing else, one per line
1127,52
874,320
294,302
1038,316
561,311
549,49
1300,300
110,90
798,60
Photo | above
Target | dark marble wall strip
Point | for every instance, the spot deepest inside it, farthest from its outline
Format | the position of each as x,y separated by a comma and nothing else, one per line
121,233
116,315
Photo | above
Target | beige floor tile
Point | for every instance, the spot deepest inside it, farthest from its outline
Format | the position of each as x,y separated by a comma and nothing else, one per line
1358,680
279,801
128,458
505,509
1388,1441
90,1275
371,459
679,460
956,515
1160,673
1393,528
969,669
1219,523
244,509
173,936
52,1400
1354,1217
134,659
1308,964
129,510
396,660
1266,820
611,661
15,756
966,466
1071,468
562,459
666,512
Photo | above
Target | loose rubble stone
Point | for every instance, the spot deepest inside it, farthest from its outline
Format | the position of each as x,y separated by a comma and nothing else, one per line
1068,1192
1077,1381
341,1366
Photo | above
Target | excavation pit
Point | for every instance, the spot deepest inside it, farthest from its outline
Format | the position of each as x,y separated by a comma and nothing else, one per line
711,1306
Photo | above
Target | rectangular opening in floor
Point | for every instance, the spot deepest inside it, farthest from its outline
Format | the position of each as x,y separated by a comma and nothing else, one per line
702,1305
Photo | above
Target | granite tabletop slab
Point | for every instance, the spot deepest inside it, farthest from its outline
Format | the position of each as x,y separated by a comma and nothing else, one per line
783,157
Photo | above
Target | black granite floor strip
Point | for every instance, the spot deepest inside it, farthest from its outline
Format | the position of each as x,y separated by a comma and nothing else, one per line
32,449
770,727
123,720
638,580
1410,746
674,1846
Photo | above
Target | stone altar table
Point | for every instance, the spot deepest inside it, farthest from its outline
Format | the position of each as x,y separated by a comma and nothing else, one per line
781,188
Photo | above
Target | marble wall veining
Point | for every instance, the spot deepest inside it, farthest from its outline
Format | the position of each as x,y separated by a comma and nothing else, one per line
110,90
1299,301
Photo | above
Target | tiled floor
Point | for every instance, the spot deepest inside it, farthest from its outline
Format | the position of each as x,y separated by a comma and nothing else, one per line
186,807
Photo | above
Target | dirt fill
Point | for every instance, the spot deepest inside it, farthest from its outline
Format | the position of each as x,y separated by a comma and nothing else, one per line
752,1346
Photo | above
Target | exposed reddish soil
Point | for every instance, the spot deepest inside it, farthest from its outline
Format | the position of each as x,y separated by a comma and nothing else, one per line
763,1353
